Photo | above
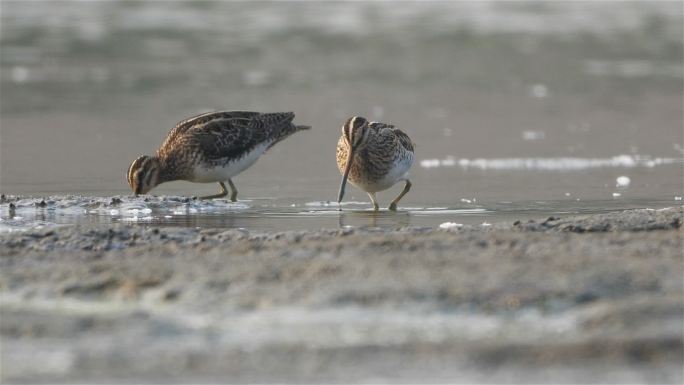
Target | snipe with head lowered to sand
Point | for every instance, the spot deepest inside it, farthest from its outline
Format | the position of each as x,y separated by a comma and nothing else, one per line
212,147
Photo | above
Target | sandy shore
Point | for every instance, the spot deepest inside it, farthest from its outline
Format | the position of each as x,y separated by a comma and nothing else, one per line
575,299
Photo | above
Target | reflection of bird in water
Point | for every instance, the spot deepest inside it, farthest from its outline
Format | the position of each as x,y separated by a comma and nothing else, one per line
374,219
374,156
212,147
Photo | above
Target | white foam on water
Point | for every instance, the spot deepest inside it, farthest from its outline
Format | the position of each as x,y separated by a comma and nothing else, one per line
28,212
622,181
137,219
452,211
448,162
323,204
450,225
560,163
429,163
319,212
335,204
134,212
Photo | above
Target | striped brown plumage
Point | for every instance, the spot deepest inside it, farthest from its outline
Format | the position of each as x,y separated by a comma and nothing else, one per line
211,147
382,156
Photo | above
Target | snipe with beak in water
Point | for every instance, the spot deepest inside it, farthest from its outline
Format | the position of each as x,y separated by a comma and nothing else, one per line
373,156
212,147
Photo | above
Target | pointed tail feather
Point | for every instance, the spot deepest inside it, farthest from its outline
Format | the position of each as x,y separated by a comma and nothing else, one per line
288,130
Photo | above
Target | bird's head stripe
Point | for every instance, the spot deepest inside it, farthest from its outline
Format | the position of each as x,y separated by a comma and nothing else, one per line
348,128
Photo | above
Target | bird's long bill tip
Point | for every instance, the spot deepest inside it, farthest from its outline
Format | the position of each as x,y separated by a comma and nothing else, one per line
340,195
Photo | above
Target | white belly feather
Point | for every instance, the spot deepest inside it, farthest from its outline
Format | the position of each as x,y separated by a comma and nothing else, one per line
202,174
398,172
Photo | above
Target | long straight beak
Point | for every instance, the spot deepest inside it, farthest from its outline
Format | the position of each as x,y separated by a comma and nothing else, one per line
340,195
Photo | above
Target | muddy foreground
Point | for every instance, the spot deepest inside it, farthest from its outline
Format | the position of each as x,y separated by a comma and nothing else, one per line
577,299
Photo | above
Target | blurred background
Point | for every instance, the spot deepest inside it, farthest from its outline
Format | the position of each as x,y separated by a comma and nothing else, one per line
517,109
507,101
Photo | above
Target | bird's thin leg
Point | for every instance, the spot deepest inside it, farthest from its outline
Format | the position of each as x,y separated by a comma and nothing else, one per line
407,187
233,191
223,192
375,202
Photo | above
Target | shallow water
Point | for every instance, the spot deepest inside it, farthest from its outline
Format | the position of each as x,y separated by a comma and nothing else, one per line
267,214
518,110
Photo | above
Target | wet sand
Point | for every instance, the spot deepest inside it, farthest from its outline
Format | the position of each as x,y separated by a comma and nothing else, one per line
582,299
